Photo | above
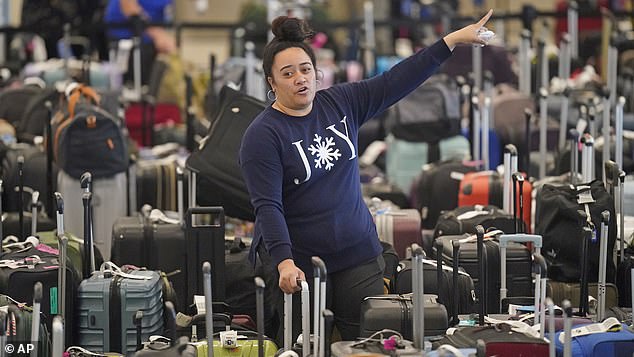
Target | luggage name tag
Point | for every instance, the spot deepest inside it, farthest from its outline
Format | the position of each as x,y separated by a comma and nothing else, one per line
584,195
611,324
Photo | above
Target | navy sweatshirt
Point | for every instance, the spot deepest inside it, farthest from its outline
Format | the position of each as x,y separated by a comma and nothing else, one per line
302,173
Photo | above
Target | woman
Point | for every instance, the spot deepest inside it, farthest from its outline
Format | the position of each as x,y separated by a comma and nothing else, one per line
299,161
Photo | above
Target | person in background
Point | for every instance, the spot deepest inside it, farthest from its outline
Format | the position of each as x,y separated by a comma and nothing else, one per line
299,159
155,39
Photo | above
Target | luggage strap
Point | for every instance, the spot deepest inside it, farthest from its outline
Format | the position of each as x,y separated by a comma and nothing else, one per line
27,262
76,351
487,236
115,270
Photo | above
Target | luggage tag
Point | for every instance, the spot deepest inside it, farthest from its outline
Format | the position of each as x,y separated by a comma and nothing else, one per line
611,324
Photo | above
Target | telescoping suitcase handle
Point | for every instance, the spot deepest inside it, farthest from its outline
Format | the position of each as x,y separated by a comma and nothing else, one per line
418,296
288,319
319,287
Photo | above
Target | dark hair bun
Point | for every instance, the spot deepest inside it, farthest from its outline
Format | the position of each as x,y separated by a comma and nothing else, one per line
291,29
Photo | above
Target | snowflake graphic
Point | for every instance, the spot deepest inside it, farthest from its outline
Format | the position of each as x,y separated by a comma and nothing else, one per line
324,152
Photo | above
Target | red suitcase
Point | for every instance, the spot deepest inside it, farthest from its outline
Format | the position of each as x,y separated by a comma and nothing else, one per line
486,188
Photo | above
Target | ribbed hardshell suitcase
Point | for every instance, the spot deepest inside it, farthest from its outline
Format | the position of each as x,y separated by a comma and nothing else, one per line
107,302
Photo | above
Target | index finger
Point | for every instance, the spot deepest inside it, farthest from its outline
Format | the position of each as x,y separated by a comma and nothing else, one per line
485,18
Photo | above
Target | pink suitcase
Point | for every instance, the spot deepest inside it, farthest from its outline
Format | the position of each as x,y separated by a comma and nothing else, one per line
400,228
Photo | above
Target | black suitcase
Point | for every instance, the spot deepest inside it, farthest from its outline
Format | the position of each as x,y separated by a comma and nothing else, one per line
396,312
154,245
436,189
22,268
216,163
464,220
443,287
519,267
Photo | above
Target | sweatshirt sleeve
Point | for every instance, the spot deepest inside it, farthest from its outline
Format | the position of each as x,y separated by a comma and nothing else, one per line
372,96
262,172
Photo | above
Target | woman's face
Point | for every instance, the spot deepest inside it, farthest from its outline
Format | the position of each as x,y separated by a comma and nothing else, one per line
293,79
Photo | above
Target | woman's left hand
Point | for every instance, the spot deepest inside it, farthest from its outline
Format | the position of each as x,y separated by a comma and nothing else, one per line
468,34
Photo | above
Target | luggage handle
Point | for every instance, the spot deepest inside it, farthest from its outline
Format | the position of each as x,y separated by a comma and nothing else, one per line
259,301
63,241
504,241
481,254
603,257
288,319
418,296
193,211
35,205
21,195
541,277
35,317
209,319
456,257
319,287
510,166
1,213
58,336
88,263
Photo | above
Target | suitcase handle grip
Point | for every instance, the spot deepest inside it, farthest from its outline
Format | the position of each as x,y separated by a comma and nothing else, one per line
219,211
505,239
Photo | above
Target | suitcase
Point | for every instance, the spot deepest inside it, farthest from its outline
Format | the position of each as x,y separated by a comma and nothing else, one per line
35,262
106,303
519,266
20,324
441,283
109,202
400,228
558,221
396,312
436,189
404,160
499,337
396,319
250,347
464,220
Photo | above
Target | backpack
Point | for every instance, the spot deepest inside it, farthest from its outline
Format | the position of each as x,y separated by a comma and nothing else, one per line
88,138
430,113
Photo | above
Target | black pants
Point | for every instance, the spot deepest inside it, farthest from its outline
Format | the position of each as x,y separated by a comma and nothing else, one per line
345,290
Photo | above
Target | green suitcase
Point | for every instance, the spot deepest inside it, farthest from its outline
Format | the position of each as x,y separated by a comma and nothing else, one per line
245,348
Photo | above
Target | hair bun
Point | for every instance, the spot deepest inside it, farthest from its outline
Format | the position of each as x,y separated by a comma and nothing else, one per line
291,29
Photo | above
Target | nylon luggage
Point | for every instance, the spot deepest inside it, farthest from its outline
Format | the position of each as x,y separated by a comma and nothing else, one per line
400,228
608,338
558,221
464,220
21,324
220,181
32,262
106,303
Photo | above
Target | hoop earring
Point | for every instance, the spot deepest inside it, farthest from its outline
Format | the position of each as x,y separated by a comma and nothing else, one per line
268,95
